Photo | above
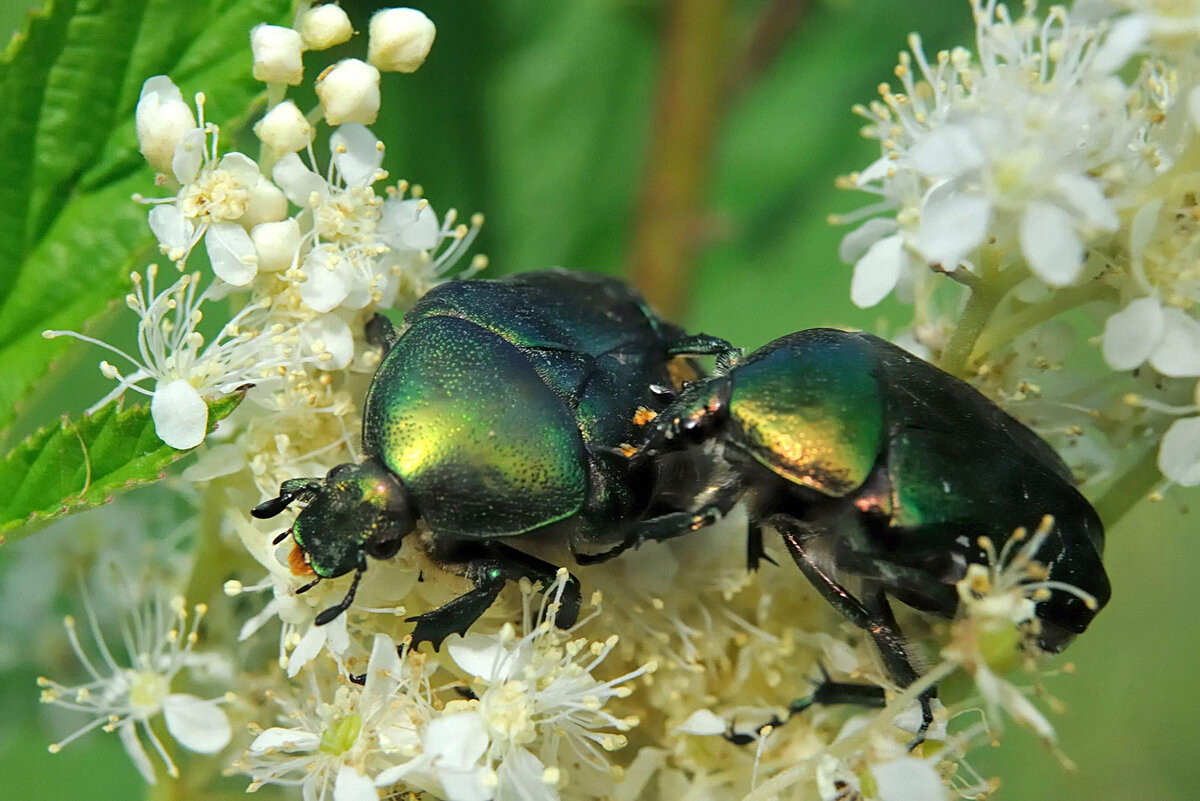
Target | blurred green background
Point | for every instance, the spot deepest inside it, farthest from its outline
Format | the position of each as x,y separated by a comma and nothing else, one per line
694,146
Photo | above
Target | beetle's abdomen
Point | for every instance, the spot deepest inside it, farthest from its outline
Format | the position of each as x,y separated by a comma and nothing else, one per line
808,407
483,445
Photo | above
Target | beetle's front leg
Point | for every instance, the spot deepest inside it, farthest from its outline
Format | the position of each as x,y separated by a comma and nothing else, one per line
875,618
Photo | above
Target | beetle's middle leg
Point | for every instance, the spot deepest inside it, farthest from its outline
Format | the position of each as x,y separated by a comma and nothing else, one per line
874,617
490,567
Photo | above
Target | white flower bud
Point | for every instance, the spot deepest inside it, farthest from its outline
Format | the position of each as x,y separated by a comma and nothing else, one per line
325,26
349,92
400,39
265,202
276,244
284,128
276,54
162,119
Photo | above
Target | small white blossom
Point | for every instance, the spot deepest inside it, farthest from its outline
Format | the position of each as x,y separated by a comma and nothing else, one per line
285,129
1014,146
335,749
126,698
325,26
1179,454
219,199
400,39
277,244
184,367
162,119
277,54
537,702
349,92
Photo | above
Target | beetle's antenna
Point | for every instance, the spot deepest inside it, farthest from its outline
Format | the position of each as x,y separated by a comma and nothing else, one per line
308,586
332,612
283,535
289,491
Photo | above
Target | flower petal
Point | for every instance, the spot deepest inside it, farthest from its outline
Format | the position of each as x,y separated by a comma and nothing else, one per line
1178,354
456,741
351,785
172,229
1132,334
908,779
703,722
137,752
196,724
232,253
409,225
1141,229
189,156
856,243
947,152
297,181
1086,196
279,739
324,289
356,153
520,776
1050,243
307,649
952,225
1179,454
180,414
877,272
330,336
481,656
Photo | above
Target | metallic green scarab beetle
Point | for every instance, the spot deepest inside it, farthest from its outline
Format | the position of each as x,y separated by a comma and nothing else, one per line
499,410
875,465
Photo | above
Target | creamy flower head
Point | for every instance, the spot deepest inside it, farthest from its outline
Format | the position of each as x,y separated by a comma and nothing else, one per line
1012,145
184,367
125,696
162,120
400,39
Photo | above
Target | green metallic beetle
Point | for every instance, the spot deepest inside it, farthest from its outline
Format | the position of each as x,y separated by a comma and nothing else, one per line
498,411
875,464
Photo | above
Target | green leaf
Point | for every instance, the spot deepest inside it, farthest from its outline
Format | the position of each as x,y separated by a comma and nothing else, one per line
69,83
77,464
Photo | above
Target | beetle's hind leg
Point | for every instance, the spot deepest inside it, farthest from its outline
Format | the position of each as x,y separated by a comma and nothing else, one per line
490,567
874,617
826,692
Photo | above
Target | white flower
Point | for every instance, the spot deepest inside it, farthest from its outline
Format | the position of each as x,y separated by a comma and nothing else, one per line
127,697
284,128
335,749
537,703
277,244
325,26
162,120
1143,331
1179,453
1015,147
349,92
277,54
219,200
400,39
184,367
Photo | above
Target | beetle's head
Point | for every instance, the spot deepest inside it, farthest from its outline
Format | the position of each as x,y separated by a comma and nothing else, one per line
695,416
358,510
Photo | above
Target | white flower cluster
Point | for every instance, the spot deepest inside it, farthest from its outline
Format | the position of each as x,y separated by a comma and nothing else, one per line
303,251
1035,174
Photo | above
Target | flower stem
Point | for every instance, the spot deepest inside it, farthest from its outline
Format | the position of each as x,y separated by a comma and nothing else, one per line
982,302
1014,325
689,91
1126,490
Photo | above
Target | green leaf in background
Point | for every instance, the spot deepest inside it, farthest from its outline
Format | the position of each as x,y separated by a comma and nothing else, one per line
69,83
76,464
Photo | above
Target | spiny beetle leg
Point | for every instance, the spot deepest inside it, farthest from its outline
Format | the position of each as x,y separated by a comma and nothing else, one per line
490,570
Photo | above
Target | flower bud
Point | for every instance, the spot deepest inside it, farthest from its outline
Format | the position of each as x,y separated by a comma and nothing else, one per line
276,244
284,128
162,119
325,26
400,39
349,92
276,54
265,202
